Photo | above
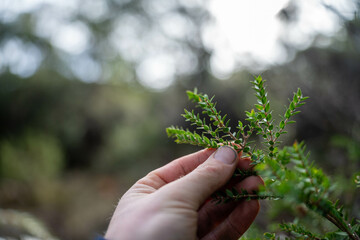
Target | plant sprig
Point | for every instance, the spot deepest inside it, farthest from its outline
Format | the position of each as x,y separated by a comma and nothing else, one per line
232,194
287,171
262,119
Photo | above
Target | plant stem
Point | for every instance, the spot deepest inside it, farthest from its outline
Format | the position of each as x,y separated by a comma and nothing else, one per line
221,124
341,224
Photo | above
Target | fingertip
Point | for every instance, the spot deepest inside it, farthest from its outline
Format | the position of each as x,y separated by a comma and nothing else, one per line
254,207
226,154
206,153
261,181
250,184
245,164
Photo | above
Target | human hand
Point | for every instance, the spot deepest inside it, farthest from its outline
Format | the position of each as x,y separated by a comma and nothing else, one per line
172,202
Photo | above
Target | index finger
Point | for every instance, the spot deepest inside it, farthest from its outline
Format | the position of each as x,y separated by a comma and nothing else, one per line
176,169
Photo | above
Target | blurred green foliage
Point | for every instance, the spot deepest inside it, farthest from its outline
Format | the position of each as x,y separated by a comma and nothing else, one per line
31,157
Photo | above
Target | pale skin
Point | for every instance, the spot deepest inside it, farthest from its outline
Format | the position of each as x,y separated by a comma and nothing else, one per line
173,202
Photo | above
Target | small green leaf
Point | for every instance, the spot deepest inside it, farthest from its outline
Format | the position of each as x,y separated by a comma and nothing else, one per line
269,117
263,100
259,107
227,123
270,236
299,93
229,193
238,141
341,233
267,107
288,113
282,124
292,106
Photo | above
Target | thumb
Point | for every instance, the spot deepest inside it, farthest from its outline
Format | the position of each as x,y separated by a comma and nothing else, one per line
197,186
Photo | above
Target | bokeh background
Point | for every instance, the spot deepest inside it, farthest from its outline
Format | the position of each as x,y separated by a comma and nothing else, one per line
87,88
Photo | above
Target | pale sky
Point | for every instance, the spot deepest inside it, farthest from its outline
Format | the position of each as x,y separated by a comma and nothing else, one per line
248,34
252,28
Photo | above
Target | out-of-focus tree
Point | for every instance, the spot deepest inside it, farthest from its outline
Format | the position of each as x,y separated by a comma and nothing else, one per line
105,41
74,110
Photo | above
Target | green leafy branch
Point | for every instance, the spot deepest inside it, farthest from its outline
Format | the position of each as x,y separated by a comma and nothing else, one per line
218,130
298,231
230,195
244,173
222,132
287,171
304,183
185,136
262,120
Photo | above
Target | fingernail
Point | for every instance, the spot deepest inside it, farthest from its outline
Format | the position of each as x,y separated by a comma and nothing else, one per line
225,154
